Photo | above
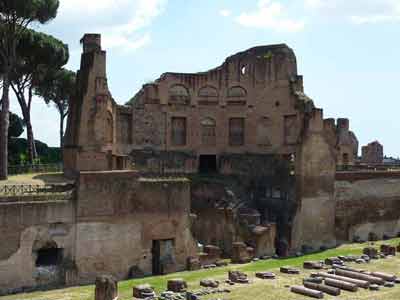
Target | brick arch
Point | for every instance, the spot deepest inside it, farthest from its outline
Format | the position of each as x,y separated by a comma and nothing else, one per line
237,91
208,91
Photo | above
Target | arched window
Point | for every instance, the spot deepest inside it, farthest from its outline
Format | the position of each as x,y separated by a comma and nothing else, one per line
208,91
179,94
237,91
208,132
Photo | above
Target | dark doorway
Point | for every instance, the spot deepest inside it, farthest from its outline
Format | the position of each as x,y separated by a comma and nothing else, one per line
208,163
156,252
120,163
163,256
49,257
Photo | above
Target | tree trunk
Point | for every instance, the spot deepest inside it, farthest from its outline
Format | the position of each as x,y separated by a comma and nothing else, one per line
4,124
34,152
26,113
61,132
30,139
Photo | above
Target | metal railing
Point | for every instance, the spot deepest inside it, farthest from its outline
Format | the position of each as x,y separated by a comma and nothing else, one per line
36,168
369,168
34,189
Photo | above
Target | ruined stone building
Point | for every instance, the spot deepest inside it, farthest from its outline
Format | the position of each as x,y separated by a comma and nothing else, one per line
372,153
235,154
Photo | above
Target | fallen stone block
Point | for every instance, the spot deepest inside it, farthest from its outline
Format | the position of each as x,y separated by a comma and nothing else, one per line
210,266
106,288
384,276
240,253
370,251
360,283
333,261
177,285
343,285
388,250
301,290
289,270
330,290
221,263
238,277
317,280
389,284
193,264
265,275
374,287
313,265
143,291
209,283
355,275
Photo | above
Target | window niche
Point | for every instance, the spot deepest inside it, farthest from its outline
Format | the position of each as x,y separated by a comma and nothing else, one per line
236,131
178,131
179,95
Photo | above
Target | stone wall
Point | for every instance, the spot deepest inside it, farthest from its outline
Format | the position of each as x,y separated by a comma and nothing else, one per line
314,224
259,86
25,227
367,203
120,214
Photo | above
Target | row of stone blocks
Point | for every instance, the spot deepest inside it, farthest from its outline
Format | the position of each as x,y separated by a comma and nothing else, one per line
107,288
342,277
211,256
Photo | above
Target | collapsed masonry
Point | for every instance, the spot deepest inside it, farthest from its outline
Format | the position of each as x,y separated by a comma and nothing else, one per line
238,157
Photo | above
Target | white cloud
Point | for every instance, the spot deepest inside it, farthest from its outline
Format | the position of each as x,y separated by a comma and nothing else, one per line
313,4
225,12
147,11
357,11
270,15
374,19
83,8
125,36
125,43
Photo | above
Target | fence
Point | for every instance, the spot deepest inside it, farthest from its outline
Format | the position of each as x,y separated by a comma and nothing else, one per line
34,189
39,168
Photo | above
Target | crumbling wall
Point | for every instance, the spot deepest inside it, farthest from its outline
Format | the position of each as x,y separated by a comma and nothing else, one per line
367,204
119,214
27,226
314,224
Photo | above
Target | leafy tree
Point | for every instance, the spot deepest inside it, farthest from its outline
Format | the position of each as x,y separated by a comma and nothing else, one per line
15,17
37,54
58,87
16,127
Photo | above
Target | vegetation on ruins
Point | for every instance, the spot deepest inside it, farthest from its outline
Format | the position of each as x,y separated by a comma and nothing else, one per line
38,54
15,17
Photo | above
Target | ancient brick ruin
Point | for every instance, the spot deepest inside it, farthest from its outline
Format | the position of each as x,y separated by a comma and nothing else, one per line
237,157
372,153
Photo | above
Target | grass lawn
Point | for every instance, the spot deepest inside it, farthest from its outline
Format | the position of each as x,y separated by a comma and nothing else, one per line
39,179
257,290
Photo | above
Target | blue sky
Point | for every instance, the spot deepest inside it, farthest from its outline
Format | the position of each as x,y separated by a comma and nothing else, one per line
347,51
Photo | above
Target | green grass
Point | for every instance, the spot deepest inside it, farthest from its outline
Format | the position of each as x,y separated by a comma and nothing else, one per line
193,278
36,178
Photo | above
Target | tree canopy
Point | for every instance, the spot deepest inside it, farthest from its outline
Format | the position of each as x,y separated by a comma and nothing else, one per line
16,126
27,11
58,87
15,17
37,55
